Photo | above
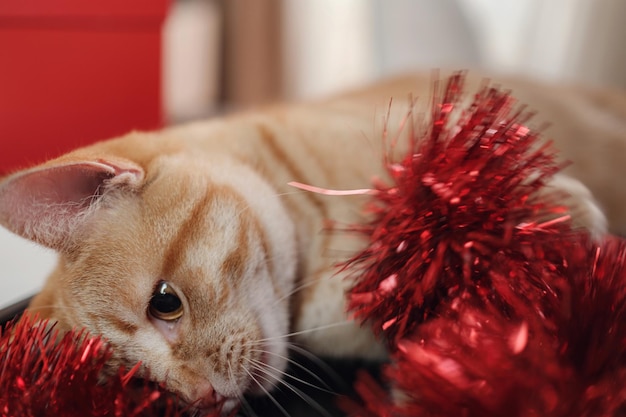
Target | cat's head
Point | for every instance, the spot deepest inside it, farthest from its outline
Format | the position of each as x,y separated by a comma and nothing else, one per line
182,264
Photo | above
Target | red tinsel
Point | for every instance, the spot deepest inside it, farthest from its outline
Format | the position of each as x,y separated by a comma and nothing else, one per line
459,201
42,374
490,303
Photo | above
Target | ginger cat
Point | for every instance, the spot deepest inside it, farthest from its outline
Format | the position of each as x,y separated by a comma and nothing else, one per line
189,252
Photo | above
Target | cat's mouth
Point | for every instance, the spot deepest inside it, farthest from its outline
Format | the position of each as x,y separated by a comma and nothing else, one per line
172,403
210,408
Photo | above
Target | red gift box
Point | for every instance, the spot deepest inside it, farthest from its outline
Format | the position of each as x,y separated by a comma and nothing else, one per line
75,71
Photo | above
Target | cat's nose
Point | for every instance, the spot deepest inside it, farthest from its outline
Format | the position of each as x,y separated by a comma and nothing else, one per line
205,394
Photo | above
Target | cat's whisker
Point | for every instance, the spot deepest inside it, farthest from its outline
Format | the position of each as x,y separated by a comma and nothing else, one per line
302,367
263,366
245,406
240,397
301,332
50,306
267,393
264,372
196,413
329,371
308,399
307,284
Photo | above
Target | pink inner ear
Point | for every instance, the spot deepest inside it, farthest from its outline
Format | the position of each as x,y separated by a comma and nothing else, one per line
44,204
71,186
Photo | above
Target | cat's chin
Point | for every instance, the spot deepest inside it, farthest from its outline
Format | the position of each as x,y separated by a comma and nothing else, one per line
226,407
210,407
229,405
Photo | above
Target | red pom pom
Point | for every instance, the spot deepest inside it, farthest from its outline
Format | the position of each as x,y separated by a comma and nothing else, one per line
565,359
461,198
42,374
491,304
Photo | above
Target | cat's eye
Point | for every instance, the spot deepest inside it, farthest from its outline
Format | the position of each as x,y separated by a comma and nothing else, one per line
165,303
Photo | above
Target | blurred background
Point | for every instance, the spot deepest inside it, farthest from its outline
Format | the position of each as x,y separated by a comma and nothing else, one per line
242,52
72,72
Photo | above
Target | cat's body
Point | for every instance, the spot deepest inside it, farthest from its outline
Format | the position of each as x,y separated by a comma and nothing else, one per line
207,209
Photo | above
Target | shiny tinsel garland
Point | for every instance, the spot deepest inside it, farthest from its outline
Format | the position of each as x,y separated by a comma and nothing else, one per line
490,302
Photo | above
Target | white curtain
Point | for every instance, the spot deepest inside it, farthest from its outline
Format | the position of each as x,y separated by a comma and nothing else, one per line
331,44
575,40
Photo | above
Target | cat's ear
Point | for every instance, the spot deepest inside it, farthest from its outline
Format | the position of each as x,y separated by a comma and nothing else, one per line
50,203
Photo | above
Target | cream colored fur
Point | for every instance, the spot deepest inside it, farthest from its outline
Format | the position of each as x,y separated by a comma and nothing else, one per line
206,206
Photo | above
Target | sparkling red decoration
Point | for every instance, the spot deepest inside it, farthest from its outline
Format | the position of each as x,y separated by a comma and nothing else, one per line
44,374
458,203
491,303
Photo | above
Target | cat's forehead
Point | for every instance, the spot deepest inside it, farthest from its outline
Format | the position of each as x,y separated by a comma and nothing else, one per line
187,178
179,214
186,205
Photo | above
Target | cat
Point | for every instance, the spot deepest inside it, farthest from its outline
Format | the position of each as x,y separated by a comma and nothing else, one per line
188,250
